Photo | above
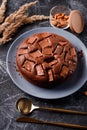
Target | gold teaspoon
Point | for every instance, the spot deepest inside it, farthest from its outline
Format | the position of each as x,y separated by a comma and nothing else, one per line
25,106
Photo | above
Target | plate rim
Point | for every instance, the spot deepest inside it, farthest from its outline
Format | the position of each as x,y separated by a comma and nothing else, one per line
40,28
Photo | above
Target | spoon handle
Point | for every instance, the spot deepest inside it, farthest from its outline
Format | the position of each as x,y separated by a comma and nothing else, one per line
63,110
32,120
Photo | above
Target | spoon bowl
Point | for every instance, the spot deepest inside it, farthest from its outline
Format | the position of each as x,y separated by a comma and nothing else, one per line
25,106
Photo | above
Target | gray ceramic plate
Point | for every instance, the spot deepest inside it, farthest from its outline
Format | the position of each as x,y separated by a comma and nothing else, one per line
59,91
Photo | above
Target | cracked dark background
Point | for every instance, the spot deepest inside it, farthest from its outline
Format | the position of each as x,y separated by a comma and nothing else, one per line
10,93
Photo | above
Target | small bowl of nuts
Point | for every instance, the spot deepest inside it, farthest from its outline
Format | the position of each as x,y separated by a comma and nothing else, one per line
59,16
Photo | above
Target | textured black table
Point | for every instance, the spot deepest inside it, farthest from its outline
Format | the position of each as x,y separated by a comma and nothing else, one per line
9,92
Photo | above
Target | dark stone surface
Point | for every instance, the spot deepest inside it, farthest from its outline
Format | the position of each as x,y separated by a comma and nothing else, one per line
9,92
